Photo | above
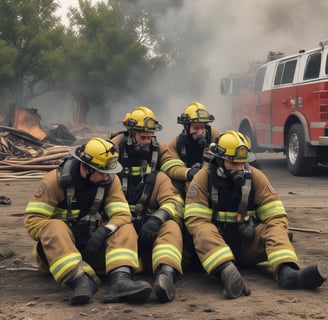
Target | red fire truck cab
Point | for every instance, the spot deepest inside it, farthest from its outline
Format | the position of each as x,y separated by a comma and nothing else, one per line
281,105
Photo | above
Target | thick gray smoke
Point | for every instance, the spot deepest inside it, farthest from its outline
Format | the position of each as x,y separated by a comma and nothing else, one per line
218,37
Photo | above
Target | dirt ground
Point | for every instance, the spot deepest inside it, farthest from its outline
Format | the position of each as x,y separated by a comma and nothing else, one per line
27,294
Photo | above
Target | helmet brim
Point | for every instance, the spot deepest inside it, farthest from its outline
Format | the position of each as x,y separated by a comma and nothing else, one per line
117,169
250,158
157,128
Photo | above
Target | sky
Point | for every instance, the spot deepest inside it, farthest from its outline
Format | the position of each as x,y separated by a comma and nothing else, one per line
222,37
65,4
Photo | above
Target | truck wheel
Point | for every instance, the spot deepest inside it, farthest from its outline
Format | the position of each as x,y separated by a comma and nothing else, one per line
298,164
247,132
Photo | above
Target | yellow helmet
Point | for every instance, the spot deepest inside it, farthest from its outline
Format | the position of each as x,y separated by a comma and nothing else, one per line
99,154
141,119
231,145
195,112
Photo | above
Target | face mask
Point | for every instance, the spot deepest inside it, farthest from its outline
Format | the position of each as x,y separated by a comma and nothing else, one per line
201,141
142,149
237,177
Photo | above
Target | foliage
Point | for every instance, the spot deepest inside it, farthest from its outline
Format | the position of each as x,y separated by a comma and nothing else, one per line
107,54
109,49
30,34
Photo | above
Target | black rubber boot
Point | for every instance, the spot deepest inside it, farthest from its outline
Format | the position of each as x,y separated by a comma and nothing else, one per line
164,283
233,282
123,288
309,278
84,288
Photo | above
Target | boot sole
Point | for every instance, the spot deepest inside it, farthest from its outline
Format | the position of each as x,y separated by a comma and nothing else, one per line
234,285
83,299
164,288
134,296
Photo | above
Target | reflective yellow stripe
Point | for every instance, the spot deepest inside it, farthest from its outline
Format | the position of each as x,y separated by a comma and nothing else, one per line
137,171
231,217
217,258
196,209
271,209
174,208
63,265
116,207
275,258
122,254
40,207
168,251
171,163
61,213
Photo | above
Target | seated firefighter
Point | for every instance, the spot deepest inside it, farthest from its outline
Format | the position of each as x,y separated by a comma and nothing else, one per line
141,124
82,224
237,219
155,204
189,145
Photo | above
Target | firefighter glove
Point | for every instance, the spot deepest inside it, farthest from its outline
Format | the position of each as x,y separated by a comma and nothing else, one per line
150,229
99,236
247,229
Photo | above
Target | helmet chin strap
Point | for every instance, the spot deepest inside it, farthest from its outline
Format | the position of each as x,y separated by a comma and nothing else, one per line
131,139
88,171
221,170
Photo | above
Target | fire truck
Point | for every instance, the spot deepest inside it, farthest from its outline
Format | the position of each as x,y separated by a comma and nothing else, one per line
281,105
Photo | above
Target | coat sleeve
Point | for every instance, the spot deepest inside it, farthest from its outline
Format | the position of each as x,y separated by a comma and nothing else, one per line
42,205
197,213
116,207
165,196
269,207
171,164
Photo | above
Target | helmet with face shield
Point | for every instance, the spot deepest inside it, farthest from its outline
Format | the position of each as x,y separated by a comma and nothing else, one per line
141,119
231,145
98,154
195,112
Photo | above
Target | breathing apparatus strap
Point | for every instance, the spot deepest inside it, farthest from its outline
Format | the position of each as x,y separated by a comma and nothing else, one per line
94,214
181,147
245,190
154,156
125,172
213,194
67,183
140,208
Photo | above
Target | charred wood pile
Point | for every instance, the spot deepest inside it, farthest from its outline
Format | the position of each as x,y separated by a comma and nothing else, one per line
28,151
24,156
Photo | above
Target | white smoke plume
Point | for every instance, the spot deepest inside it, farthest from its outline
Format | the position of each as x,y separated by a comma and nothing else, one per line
219,37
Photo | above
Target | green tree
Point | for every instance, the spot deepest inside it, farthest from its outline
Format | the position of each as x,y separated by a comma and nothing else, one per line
30,38
110,54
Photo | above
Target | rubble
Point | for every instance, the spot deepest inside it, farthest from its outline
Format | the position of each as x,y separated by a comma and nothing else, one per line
28,151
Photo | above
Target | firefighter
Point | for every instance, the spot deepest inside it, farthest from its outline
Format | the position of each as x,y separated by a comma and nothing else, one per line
190,144
237,219
156,205
141,125
189,147
81,223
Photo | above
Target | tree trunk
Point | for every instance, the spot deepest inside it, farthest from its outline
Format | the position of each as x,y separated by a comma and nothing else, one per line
81,109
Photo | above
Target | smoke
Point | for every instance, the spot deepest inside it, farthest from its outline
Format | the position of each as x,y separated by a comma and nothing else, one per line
218,37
